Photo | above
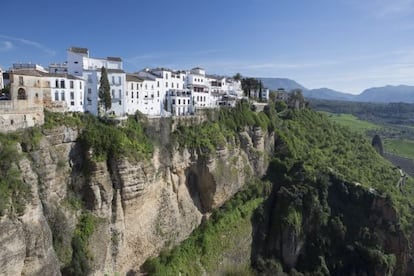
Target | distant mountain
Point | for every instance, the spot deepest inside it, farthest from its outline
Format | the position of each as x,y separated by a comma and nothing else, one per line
387,94
321,93
281,83
328,94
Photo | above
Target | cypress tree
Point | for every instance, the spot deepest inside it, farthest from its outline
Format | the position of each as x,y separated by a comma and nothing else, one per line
104,90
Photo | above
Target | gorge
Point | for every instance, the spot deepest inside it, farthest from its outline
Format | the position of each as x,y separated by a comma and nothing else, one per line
87,197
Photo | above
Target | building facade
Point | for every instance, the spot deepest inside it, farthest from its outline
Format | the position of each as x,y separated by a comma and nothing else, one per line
68,91
24,108
79,64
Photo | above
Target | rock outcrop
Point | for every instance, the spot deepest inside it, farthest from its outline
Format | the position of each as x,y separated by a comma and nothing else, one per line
141,206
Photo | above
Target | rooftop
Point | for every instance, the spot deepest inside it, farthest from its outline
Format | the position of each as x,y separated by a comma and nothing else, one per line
79,50
114,58
133,77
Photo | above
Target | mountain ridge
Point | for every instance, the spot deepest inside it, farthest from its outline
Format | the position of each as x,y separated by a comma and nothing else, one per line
382,94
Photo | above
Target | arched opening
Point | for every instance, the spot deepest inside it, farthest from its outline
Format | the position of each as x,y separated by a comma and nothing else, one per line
21,94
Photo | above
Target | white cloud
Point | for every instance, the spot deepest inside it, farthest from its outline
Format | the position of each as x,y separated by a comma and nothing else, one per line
6,46
31,43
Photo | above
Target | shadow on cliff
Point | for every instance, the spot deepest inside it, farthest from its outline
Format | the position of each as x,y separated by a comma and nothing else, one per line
201,185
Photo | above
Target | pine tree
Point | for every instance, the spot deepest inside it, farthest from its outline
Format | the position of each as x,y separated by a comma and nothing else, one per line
104,91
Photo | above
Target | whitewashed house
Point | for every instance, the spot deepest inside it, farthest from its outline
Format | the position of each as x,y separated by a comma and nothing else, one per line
67,90
143,95
180,102
199,86
79,64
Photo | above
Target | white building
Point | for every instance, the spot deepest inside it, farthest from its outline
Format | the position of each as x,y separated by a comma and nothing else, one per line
143,95
165,80
234,88
79,64
261,94
180,102
199,86
67,90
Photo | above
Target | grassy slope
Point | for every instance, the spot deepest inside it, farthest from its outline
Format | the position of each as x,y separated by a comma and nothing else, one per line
403,148
352,122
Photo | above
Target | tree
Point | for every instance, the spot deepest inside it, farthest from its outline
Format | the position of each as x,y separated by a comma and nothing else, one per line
104,91
237,77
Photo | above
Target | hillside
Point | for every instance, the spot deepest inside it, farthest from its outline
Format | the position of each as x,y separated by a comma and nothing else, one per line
305,222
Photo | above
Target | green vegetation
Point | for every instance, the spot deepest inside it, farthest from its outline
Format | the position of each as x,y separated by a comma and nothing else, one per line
324,146
222,233
81,257
353,123
223,127
13,191
107,141
53,120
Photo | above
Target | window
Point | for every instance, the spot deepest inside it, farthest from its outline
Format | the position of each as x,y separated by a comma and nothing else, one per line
21,80
62,84
89,91
62,95
76,62
72,103
173,101
132,95
172,85
80,85
71,84
137,86
137,95
179,101
113,79
56,96
89,102
119,80
113,93
132,86
57,83
158,93
72,95
166,84
158,83
120,93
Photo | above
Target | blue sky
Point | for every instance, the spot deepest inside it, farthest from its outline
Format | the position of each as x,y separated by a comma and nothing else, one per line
347,45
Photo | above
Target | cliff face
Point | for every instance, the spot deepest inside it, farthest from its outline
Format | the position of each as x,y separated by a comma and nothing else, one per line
142,206
330,227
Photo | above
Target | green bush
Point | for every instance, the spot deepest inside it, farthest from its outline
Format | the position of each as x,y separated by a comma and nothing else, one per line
81,257
13,191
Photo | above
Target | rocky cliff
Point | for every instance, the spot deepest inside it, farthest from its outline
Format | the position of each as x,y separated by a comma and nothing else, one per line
140,206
